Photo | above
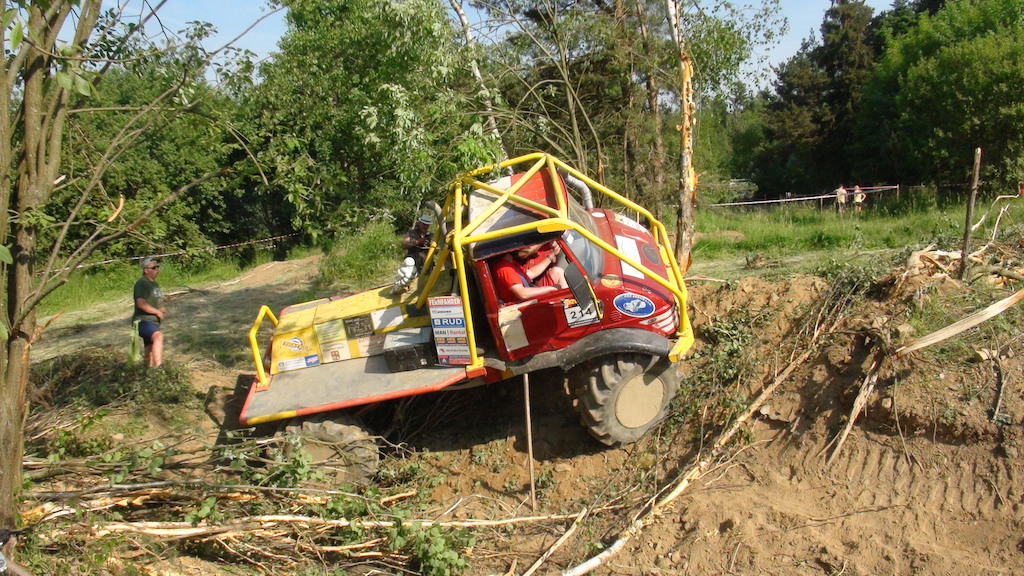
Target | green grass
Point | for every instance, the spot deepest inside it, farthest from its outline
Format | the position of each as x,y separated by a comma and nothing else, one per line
787,231
363,259
101,283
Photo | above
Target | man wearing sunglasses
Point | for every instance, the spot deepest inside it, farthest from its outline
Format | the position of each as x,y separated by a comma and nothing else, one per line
149,312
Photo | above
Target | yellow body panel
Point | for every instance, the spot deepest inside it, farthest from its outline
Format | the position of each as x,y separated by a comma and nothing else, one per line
353,326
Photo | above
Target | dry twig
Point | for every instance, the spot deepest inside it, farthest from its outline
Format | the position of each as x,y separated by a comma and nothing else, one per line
866,388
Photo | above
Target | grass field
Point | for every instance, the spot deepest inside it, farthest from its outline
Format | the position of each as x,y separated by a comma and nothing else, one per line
786,231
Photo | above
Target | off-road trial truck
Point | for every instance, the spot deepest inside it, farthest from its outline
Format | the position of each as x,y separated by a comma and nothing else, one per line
618,330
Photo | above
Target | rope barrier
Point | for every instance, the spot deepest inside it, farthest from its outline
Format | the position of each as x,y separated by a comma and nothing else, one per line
183,252
866,190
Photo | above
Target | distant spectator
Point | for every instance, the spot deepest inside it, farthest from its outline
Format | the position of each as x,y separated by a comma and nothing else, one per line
858,198
840,198
417,240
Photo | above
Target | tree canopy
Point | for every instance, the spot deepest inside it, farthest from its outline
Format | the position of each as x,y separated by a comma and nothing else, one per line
901,97
362,112
964,62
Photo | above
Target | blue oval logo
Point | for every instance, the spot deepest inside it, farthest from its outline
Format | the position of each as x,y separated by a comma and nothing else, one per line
634,305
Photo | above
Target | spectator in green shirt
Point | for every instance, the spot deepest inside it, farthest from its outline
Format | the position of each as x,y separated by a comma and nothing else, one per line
149,311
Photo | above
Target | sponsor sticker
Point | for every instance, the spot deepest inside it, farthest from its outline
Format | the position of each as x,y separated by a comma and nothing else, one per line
358,326
440,332
611,280
629,222
448,322
295,344
634,305
446,301
630,248
330,331
371,345
296,363
335,351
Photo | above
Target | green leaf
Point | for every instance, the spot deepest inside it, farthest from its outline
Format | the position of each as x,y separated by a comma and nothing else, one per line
8,17
5,255
16,36
83,86
64,79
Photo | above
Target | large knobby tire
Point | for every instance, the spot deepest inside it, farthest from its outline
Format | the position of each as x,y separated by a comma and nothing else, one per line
622,396
339,444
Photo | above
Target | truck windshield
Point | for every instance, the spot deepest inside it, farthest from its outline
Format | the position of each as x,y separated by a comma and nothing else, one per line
588,254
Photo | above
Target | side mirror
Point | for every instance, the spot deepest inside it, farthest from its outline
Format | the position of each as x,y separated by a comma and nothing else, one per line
582,291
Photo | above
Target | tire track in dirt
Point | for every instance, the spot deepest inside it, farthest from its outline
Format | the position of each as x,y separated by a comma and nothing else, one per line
931,481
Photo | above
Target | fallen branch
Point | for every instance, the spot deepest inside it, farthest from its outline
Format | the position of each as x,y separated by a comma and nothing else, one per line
182,530
962,325
989,270
866,388
558,544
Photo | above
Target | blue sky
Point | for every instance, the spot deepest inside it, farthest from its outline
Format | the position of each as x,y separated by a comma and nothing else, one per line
805,20
232,17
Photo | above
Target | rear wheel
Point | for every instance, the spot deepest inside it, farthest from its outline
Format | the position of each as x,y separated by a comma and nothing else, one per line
622,396
338,444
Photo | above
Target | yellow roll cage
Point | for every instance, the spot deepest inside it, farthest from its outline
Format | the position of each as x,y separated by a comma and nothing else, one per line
451,247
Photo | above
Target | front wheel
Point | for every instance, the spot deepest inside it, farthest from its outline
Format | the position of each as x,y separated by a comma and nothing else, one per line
338,444
622,396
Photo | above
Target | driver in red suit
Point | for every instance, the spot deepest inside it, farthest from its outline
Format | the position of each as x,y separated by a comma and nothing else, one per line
528,273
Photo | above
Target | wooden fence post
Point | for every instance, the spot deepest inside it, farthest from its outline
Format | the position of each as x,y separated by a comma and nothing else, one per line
966,247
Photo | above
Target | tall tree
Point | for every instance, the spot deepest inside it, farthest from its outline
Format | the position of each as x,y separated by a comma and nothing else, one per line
947,86
360,112
58,51
809,117
846,58
792,118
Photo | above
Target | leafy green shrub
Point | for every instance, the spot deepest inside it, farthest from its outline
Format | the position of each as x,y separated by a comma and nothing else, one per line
100,378
72,442
433,550
716,371
363,258
854,277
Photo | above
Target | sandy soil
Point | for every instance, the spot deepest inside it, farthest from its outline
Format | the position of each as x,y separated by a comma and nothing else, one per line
926,483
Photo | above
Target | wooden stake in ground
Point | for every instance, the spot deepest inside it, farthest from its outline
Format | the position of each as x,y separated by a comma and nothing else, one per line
529,440
966,248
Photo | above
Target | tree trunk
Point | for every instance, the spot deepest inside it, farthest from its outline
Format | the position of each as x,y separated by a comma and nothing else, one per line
651,86
32,140
13,411
687,176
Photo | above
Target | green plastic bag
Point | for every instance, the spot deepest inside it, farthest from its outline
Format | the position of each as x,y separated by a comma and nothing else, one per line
136,347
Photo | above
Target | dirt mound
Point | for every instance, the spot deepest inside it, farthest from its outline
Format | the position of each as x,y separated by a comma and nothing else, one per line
926,483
